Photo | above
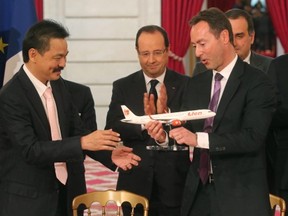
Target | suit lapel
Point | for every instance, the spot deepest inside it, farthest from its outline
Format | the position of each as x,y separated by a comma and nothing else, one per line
139,88
254,60
33,96
62,100
171,84
230,89
204,88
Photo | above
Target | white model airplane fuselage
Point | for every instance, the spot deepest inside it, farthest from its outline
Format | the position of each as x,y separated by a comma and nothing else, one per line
174,118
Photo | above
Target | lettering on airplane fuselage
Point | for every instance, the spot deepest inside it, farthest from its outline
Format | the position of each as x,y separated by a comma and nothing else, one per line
194,113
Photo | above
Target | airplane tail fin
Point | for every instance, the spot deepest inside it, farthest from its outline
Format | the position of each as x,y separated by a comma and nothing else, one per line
127,112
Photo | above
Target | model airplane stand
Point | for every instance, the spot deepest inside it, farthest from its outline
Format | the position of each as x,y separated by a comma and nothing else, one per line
167,148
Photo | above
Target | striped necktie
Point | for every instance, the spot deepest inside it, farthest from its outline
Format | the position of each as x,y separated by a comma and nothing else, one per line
204,165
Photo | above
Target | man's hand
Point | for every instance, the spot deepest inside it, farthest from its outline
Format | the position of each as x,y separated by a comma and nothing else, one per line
123,157
183,136
162,100
148,101
100,140
156,131
149,106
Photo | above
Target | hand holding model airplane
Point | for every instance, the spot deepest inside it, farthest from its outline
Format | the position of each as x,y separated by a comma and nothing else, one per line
174,118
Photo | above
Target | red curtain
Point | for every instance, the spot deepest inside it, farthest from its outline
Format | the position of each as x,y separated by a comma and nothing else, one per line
39,9
279,15
223,5
175,20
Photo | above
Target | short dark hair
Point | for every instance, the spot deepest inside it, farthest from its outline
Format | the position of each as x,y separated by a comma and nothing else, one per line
152,29
216,20
39,35
235,13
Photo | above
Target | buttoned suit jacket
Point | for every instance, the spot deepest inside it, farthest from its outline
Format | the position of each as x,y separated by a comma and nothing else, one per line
237,141
170,167
256,60
279,128
28,181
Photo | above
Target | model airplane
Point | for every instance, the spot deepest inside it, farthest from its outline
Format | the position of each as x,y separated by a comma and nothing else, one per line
174,119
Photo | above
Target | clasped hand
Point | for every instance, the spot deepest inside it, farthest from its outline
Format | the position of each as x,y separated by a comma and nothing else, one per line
180,134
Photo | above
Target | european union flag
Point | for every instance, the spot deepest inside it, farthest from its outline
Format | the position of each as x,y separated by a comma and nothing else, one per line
16,17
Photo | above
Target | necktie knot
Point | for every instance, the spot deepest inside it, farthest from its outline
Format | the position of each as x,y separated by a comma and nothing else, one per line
48,93
153,83
218,77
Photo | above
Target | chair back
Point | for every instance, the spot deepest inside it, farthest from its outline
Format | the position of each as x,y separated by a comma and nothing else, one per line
277,201
103,197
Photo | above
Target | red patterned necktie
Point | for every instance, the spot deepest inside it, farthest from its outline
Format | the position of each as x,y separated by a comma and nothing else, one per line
60,167
204,164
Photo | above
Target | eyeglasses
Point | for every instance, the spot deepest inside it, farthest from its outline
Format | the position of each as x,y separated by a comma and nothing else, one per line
155,53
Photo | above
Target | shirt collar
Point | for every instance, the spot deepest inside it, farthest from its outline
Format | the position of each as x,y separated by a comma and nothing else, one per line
228,69
160,78
40,87
247,59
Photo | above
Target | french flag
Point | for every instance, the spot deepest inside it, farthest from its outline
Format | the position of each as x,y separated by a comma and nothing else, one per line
16,17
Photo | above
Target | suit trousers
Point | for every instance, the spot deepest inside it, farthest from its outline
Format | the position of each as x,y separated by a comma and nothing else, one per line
205,203
62,201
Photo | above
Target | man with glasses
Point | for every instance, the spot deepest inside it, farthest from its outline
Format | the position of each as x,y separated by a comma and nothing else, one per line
161,174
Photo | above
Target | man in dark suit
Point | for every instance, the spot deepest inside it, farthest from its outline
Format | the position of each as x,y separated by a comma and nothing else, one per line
84,102
82,98
244,35
278,142
28,153
235,140
161,174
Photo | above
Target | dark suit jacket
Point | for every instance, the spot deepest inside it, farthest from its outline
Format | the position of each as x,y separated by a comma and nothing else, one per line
260,61
279,128
256,60
237,142
27,153
83,100
167,168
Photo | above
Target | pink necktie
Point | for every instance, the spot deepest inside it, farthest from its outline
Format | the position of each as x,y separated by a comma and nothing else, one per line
204,165
60,167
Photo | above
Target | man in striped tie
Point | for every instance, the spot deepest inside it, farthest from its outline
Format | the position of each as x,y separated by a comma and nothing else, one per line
235,183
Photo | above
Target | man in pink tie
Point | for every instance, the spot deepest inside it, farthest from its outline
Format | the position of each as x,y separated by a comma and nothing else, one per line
33,138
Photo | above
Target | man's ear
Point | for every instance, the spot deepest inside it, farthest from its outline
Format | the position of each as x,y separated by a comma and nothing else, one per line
224,35
252,35
32,54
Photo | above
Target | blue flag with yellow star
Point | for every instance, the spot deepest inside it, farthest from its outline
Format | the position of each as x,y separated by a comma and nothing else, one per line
16,17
